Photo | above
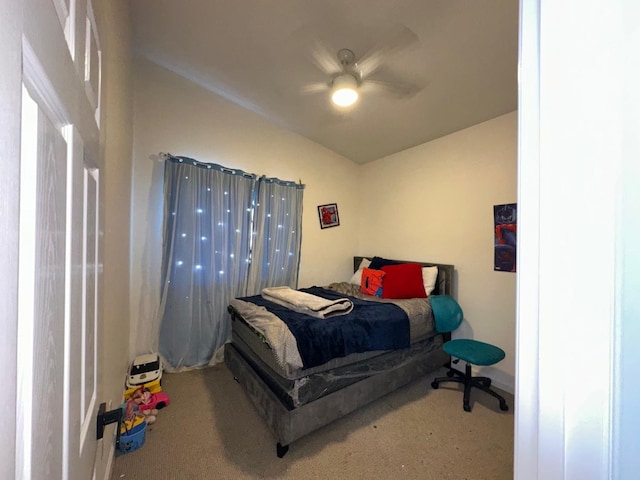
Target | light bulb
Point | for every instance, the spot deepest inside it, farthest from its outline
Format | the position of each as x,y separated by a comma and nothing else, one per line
344,90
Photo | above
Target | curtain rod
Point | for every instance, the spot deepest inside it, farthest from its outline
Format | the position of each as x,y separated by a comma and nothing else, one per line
163,156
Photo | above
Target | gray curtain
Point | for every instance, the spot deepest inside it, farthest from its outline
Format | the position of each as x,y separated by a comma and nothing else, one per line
277,238
207,233
226,234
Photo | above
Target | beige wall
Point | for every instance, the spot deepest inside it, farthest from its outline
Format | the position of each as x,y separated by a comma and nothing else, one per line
114,26
435,203
175,115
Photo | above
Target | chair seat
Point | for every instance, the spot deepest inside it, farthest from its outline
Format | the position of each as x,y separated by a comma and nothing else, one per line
473,351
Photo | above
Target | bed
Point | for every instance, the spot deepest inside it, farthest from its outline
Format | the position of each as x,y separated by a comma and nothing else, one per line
296,394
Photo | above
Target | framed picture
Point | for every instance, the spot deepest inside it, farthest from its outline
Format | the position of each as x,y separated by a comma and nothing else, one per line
328,215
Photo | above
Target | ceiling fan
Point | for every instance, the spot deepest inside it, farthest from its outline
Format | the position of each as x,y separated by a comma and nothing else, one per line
349,76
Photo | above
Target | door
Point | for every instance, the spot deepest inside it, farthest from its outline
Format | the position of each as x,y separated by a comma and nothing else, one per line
59,232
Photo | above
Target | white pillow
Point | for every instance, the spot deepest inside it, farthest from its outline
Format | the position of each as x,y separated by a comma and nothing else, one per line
364,263
429,275
356,279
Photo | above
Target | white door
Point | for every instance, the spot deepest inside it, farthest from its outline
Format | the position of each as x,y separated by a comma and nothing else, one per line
59,261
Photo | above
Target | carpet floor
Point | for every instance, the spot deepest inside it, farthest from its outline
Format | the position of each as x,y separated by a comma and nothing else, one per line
211,431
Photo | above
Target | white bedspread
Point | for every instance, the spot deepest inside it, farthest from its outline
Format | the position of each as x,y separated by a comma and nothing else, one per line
307,303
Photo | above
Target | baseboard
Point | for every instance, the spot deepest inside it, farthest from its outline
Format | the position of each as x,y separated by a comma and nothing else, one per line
110,456
499,378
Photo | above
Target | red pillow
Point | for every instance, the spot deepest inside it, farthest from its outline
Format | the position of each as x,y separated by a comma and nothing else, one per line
403,281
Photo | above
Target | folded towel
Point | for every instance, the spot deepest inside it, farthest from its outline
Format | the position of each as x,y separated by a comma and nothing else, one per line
307,303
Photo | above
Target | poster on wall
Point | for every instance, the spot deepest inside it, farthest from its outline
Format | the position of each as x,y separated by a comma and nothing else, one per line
505,235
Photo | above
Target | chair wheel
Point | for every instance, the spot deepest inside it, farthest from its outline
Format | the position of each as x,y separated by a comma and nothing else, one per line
435,385
504,407
467,408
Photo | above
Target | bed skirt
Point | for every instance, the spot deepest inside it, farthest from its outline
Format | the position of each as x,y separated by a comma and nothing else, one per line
289,424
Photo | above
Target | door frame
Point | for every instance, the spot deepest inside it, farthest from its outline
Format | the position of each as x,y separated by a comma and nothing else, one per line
10,116
578,231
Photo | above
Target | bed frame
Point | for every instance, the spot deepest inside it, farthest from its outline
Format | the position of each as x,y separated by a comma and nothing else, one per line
289,424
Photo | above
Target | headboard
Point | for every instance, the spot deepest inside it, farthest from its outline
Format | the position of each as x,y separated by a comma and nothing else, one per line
444,281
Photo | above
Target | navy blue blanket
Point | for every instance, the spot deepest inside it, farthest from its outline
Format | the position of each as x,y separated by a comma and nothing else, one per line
369,326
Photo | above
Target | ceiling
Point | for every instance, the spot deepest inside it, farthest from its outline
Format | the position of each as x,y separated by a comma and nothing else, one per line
257,53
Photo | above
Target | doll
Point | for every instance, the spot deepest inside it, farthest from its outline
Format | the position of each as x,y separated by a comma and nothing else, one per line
140,397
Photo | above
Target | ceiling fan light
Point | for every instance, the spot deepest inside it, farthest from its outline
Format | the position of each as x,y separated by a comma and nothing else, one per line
344,90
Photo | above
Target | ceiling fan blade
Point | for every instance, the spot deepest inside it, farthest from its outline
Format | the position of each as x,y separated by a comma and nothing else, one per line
304,39
397,39
315,88
324,59
399,89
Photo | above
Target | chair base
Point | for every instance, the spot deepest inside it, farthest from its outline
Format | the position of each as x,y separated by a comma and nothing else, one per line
469,382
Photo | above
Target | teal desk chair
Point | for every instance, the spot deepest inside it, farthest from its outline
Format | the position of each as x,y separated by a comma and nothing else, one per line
448,316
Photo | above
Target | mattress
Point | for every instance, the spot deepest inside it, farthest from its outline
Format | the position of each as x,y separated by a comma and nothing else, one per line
277,346
319,382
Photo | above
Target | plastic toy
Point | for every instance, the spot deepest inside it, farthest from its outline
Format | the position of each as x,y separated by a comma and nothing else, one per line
144,369
153,401
132,418
152,387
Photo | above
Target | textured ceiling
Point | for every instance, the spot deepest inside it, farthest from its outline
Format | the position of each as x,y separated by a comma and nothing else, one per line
257,53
